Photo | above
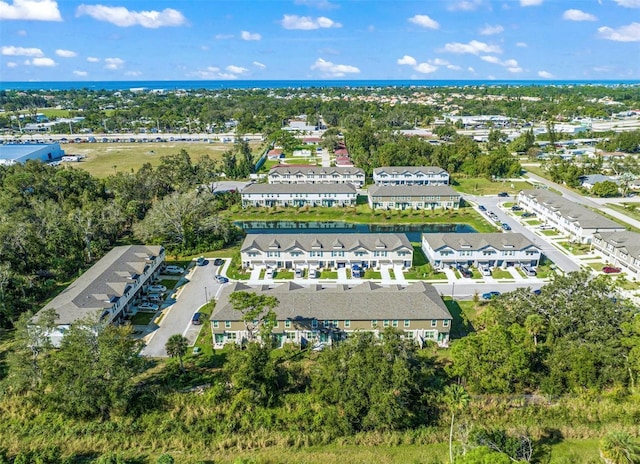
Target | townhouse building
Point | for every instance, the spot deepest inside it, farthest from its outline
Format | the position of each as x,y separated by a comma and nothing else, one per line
576,221
297,174
621,249
410,175
413,197
291,251
480,250
312,314
108,288
298,195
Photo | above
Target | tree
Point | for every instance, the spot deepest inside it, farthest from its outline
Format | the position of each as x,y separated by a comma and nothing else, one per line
457,399
176,347
619,448
534,325
605,189
257,313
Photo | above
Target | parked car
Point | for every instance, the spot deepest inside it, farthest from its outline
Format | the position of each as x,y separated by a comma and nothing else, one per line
537,291
298,273
196,319
490,295
506,226
481,208
529,271
503,194
611,270
545,227
526,215
485,271
218,262
146,306
174,270
465,272
155,297
201,261
269,274
156,289
516,208
356,271
221,279
313,273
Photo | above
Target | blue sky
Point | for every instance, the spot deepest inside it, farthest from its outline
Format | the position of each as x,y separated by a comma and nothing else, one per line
68,40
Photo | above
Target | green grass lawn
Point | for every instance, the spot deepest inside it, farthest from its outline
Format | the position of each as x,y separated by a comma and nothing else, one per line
328,274
392,274
549,233
205,337
628,209
546,270
142,318
533,222
596,266
577,249
283,275
371,274
501,274
483,186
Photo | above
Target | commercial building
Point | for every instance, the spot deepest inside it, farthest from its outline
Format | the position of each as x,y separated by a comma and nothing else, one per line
298,195
107,289
621,249
413,197
410,175
297,174
314,314
569,218
320,251
21,153
471,249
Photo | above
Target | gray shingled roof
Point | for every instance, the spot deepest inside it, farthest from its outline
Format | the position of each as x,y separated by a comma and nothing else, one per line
586,218
473,241
626,241
327,242
409,169
412,190
292,170
419,301
90,293
299,188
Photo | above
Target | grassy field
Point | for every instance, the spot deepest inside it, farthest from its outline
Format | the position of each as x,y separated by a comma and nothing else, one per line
628,209
484,186
104,159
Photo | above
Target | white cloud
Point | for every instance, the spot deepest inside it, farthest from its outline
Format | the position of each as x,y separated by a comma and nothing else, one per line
628,3
578,15
474,47
491,30
491,59
511,64
236,69
465,5
121,16
246,35
545,75
630,33
307,23
11,64
319,4
328,68
470,69
80,73
408,60
93,59
66,53
515,69
257,64
20,51
424,21
113,63
42,62
521,44
22,33
425,68
530,2
33,10
133,73
223,36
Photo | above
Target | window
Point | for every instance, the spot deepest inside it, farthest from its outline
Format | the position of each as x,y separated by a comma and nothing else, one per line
347,324
287,324
407,323
276,324
445,323
394,323
434,323
314,324
335,323
215,324
374,323
385,323
227,324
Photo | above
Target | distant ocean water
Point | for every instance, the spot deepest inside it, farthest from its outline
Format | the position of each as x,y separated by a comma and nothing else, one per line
293,84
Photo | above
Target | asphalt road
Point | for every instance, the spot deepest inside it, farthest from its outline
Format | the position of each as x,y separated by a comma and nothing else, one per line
561,260
465,290
199,289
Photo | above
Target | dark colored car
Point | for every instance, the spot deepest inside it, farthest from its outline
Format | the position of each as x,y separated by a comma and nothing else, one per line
482,208
221,279
464,272
611,270
196,319
490,295
218,262
516,208
537,291
506,226
503,194
526,215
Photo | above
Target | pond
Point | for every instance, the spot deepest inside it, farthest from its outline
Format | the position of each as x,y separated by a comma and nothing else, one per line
413,231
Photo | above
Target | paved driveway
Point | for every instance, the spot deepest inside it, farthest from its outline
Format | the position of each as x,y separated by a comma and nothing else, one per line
177,319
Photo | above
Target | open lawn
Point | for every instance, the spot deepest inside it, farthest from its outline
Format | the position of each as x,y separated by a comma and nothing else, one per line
628,209
501,274
549,233
483,186
104,159
205,337
142,318
575,248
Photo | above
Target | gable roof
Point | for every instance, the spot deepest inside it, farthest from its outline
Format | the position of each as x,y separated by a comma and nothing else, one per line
427,170
474,242
412,190
367,301
327,242
301,169
624,241
299,188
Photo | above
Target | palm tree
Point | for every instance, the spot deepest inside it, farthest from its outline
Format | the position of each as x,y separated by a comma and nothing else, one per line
457,399
177,347
619,448
534,325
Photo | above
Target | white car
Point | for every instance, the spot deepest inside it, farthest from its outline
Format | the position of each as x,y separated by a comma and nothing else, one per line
174,270
485,271
156,289
148,307
269,274
313,273
545,227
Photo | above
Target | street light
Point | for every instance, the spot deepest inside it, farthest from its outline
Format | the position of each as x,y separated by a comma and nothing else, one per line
206,295
453,286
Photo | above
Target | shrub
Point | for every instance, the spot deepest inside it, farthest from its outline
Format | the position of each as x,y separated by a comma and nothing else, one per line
165,459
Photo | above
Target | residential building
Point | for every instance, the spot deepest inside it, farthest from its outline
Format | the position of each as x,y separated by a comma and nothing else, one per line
410,175
490,250
413,197
621,249
107,289
298,195
291,251
569,218
592,179
300,174
21,153
307,315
